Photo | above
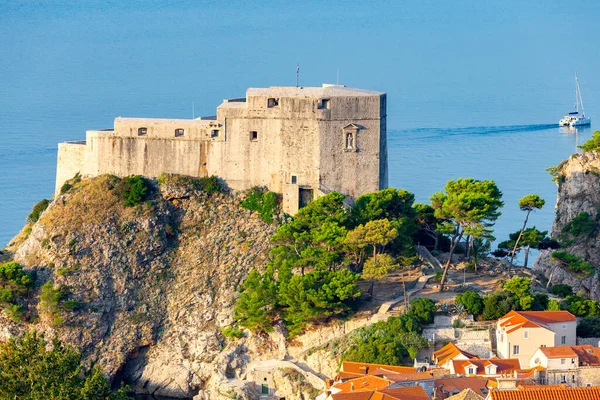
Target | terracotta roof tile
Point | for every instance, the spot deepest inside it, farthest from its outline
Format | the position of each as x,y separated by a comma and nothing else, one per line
517,319
558,352
466,394
505,366
547,393
365,368
449,352
352,396
364,383
587,354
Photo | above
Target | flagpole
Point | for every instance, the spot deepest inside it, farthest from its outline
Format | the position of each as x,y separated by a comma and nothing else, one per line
297,74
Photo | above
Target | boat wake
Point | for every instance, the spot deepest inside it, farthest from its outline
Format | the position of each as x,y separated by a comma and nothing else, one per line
477,130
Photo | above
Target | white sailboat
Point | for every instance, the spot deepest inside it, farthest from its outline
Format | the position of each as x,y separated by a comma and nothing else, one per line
574,118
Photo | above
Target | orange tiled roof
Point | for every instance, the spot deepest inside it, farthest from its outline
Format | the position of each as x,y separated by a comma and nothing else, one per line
365,368
346,375
503,366
448,352
547,393
364,383
415,376
405,393
533,319
587,354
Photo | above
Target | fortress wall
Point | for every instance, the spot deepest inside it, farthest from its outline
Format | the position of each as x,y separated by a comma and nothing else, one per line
71,160
148,156
164,128
359,170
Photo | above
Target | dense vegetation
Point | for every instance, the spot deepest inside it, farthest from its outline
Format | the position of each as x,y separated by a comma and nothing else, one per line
392,341
572,262
14,285
206,184
30,370
265,203
38,209
320,255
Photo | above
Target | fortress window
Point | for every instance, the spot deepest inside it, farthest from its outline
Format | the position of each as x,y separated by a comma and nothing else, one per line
272,102
179,132
214,133
294,179
253,136
142,131
324,104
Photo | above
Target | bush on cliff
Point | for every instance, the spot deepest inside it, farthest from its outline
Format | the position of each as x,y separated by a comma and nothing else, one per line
32,370
265,203
50,302
581,225
472,301
133,190
14,285
423,310
572,262
206,184
38,209
561,290
593,143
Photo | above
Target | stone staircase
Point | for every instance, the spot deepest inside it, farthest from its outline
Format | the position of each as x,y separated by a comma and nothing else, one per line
421,282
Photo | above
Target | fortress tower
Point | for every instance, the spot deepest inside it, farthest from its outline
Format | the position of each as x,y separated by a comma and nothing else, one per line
301,142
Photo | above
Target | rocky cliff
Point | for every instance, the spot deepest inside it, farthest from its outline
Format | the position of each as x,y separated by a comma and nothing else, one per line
154,285
578,181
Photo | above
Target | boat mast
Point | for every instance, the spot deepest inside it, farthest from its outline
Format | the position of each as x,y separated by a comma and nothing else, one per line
580,99
576,93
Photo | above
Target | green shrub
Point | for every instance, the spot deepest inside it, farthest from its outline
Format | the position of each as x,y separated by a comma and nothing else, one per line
38,209
207,184
561,290
581,307
389,342
133,190
497,304
265,203
581,225
30,369
593,143
50,302
231,332
438,276
472,301
423,309
571,261
14,285
553,305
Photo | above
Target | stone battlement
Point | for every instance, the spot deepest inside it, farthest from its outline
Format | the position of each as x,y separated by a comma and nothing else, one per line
293,140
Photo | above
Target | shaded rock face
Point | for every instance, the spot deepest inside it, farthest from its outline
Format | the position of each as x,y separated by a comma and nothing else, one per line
578,192
155,283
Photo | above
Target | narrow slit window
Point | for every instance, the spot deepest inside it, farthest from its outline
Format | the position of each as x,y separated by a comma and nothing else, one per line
179,132
272,102
253,136
214,133
294,179
142,131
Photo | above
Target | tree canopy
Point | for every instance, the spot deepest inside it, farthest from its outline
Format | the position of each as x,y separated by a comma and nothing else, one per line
593,143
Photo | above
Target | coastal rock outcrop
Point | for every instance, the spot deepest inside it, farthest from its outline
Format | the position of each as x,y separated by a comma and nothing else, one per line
578,180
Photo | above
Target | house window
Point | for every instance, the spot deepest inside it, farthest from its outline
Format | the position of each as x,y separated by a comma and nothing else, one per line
294,179
563,326
543,345
214,133
272,102
563,340
253,136
563,379
515,349
573,378
324,104
562,361
471,372
142,131
179,132
572,361
526,334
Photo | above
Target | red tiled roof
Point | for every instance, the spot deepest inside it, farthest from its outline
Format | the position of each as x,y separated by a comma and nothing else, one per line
504,366
364,383
532,319
548,393
407,393
448,352
404,393
587,354
365,368
415,376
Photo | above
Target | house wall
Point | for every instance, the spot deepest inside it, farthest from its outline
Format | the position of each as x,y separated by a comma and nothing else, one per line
569,332
527,347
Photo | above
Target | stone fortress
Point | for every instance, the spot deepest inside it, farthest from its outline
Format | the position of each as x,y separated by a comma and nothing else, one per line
301,142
